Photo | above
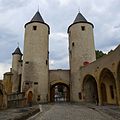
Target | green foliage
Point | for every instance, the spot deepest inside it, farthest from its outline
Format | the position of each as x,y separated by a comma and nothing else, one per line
99,54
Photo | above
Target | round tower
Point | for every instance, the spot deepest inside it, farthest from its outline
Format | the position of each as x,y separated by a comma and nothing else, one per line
17,56
81,51
35,58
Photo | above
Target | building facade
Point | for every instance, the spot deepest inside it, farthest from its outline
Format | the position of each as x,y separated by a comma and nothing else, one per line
87,79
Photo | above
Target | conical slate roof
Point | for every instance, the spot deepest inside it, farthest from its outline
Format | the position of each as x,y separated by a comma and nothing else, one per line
17,51
37,18
79,18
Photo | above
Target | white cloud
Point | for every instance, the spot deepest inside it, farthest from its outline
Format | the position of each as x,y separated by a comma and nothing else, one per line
64,2
59,50
107,49
59,14
4,67
51,64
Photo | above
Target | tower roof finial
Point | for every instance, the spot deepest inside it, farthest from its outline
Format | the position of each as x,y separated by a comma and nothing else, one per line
18,44
38,8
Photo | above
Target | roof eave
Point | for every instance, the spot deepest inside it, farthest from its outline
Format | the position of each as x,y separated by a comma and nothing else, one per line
79,22
38,22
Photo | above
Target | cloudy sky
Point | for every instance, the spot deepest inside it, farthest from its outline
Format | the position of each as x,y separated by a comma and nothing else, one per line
59,14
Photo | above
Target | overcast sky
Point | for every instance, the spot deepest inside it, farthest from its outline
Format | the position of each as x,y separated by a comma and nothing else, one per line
59,14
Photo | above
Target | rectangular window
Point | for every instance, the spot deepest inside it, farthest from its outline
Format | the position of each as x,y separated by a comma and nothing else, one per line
112,91
20,78
35,83
83,28
73,44
46,62
27,83
34,27
27,62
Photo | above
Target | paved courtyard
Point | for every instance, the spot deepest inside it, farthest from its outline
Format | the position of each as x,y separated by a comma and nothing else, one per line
72,112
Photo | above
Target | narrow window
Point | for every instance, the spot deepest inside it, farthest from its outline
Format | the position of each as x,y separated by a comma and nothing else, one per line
38,98
34,27
73,44
20,77
83,28
27,62
80,96
111,91
46,62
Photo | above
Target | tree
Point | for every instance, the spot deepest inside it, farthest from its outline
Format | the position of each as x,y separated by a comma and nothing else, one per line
99,54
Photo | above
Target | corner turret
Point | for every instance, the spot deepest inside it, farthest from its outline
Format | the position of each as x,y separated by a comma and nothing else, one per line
16,64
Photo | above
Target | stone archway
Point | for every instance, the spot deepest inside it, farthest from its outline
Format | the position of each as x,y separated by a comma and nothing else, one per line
118,81
90,92
59,92
1,98
107,87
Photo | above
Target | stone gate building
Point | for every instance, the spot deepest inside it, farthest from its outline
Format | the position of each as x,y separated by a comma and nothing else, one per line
87,79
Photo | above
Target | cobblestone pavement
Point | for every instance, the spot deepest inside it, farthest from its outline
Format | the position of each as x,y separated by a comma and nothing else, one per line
72,112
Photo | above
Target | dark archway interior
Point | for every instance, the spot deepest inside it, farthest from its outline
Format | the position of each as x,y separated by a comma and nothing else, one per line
59,92
1,98
90,89
118,77
1,93
108,87
103,93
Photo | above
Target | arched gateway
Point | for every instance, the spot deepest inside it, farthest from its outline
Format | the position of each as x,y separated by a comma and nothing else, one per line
59,92
59,85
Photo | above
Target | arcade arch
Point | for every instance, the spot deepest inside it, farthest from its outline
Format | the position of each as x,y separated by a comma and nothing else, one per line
118,80
107,87
90,92
1,98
